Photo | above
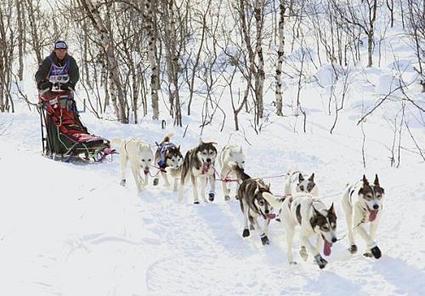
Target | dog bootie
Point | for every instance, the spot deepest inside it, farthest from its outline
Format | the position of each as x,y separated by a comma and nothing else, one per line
245,233
353,249
265,240
155,181
320,261
211,196
376,252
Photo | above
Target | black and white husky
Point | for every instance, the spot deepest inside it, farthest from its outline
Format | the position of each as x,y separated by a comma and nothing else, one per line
169,160
314,220
362,204
253,195
198,164
296,182
230,156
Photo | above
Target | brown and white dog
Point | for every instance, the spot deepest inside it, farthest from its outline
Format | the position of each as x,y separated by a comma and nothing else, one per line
169,160
253,195
314,220
198,164
362,204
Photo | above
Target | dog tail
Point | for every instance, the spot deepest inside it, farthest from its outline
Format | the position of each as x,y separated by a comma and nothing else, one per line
167,138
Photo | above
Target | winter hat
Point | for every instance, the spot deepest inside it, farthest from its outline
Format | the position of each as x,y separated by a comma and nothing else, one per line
60,44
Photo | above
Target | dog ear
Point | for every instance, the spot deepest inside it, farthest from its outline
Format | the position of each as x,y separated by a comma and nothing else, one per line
178,148
300,178
376,182
332,209
200,141
311,178
316,212
365,181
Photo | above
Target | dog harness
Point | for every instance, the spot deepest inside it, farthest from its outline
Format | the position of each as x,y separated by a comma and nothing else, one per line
162,149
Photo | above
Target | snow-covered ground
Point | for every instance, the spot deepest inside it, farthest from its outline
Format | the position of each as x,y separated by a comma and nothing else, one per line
68,229
72,230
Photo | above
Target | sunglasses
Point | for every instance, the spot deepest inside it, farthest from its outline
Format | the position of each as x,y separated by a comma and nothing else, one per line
61,45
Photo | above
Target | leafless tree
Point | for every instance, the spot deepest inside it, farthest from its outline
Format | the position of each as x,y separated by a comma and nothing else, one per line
7,44
360,13
416,26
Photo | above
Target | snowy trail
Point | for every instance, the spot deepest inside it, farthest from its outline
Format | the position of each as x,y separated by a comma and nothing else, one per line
68,229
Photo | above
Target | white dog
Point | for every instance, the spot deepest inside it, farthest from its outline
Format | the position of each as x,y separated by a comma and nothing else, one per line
314,219
140,156
362,204
296,182
230,156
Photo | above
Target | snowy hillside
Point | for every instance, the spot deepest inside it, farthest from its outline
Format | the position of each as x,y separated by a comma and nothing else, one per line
68,229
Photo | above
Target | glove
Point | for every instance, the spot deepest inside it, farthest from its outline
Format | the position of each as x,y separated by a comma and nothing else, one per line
66,86
45,85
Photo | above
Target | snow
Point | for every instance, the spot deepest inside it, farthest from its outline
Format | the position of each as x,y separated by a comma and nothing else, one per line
69,229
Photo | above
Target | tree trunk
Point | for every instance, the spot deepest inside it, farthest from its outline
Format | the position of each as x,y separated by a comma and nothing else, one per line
280,56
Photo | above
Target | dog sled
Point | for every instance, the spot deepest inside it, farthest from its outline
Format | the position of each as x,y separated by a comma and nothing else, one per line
63,135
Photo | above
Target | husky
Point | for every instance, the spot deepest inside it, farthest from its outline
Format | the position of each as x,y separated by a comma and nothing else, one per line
298,182
362,204
253,195
169,160
140,156
230,156
198,164
314,219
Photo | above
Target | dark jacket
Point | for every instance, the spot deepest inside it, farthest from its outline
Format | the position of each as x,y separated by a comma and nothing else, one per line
44,69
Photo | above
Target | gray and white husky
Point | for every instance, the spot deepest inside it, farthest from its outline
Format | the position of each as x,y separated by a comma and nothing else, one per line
253,195
362,204
230,156
314,220
296,182
198,164
169,160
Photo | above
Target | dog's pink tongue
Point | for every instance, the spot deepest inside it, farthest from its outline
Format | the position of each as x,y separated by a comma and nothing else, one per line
372,215
271,216
327,248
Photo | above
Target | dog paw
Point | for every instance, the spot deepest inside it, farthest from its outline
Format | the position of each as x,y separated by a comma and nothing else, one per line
122,183
155,181
227,197
196,202
293,262
211,196
353,249
278,220
376,252
303,253
265,240
320,261
245,233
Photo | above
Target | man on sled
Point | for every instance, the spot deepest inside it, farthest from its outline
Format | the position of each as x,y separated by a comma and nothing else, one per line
64,137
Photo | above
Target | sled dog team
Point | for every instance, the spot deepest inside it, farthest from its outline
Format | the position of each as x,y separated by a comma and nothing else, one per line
300,205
